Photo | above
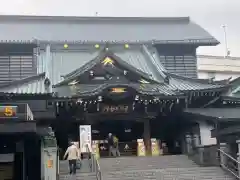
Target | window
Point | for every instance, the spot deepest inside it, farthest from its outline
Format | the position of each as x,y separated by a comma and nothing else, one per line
16,67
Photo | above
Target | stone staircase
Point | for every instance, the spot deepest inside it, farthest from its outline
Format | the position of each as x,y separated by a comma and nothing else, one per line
82,174
177,167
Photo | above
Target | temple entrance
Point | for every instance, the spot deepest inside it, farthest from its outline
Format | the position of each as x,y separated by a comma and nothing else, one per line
168,130
125,130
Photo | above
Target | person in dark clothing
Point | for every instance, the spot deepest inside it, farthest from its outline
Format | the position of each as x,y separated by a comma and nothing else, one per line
110,145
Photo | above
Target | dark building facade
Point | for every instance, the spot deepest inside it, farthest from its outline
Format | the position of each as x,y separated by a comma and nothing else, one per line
115,73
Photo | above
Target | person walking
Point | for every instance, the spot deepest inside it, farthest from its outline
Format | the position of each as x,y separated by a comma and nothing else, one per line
115,145
110,145
73,155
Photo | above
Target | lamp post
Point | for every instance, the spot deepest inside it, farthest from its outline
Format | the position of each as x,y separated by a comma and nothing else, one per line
226,50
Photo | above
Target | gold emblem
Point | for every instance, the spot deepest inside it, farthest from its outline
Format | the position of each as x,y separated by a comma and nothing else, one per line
143,81
118,90
108,61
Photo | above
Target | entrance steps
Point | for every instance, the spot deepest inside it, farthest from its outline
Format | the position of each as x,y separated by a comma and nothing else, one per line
175,167
191,173
145,163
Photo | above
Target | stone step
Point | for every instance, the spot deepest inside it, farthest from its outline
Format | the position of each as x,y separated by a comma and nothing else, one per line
78,176
85,167
144,163
199,173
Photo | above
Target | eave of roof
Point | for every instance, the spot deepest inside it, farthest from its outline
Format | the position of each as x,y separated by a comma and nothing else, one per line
86,90
123,29
90,18
218,113
185,84
30,85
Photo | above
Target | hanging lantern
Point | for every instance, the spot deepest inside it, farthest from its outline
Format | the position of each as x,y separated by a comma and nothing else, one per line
97,46
65,46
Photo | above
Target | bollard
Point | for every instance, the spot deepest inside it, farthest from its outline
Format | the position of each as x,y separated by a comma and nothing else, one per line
141,150
155,147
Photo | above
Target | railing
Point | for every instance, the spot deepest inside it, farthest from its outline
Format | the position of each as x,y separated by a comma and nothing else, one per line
229,163
98,170
95,166
213,156
204,155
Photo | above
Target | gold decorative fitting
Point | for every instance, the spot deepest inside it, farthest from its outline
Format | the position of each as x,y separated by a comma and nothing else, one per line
97,46
107,61
65,46
118,90
143,81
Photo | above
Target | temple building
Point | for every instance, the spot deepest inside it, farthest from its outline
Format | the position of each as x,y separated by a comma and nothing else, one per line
135,77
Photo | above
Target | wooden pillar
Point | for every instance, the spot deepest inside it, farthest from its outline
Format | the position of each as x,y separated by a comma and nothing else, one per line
147,136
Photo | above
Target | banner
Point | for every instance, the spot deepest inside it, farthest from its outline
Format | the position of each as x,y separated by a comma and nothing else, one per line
85,138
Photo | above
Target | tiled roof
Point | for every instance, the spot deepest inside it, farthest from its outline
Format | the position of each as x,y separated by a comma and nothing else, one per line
221,113
137,56
112,29
180,83
103,54
31,85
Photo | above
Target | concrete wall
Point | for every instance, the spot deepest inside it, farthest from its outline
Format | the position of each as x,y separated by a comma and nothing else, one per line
218,66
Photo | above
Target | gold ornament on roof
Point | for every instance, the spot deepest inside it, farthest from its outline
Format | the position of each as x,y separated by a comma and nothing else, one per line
65,46
143,81
97,46
107,61
118,90
126,46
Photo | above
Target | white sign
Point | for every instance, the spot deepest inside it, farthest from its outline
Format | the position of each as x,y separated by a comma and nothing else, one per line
85,138
6,158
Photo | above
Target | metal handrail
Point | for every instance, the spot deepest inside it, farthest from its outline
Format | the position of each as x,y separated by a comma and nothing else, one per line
98,170
233,171
95,164
229,156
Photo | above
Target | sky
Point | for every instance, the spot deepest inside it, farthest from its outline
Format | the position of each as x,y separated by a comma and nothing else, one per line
210,14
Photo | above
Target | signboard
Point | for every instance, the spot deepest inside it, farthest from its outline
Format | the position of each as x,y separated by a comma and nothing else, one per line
85,138
8,111
115,109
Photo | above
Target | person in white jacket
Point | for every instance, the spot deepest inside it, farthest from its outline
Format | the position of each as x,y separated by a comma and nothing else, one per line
73,155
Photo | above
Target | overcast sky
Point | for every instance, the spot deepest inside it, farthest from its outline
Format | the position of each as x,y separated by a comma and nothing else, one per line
210,14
